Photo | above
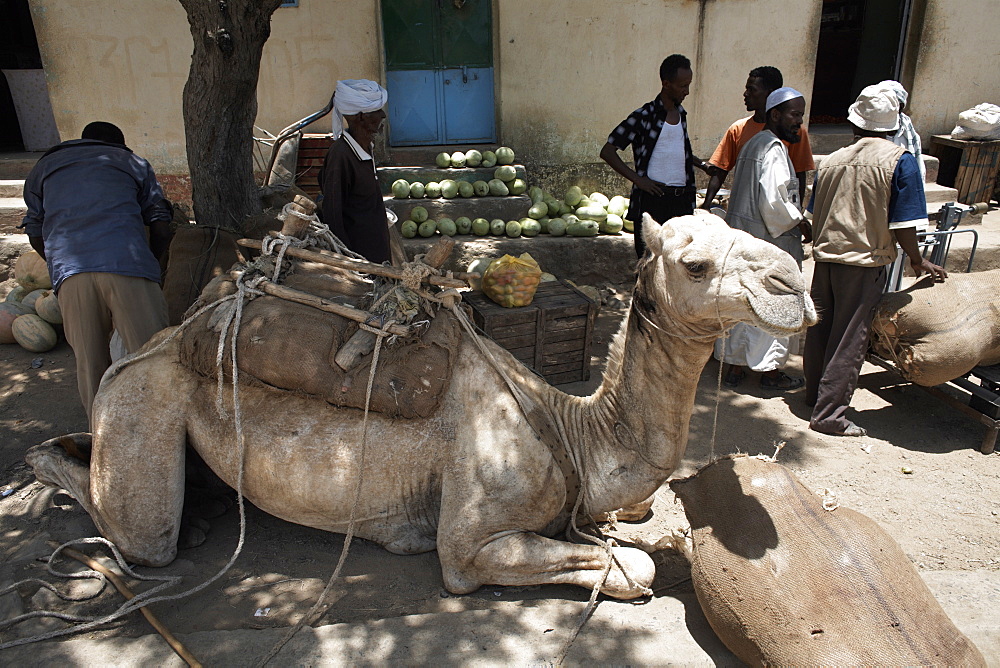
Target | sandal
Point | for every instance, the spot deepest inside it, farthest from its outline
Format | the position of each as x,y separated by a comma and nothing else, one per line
783,383
733,377
851,430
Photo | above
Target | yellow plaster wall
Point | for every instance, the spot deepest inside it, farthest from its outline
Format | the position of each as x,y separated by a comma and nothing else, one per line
569,76
565,77
127,63
958,65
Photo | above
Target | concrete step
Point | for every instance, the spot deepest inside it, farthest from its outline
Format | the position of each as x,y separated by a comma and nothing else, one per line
425,155
938,195
931,165
17,165
511,207
11,187
826,139
12,210
387,175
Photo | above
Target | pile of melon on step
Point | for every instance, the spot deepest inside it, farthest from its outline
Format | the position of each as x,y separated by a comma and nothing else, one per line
30,312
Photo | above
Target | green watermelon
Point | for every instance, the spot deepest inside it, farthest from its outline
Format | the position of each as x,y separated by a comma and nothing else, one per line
443,160
418,214
480,227
505,156
464,224
408,229
497,226
400,189
416,189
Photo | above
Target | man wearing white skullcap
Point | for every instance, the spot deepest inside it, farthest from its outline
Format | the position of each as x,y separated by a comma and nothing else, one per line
906,136
352,203
765,203
867,197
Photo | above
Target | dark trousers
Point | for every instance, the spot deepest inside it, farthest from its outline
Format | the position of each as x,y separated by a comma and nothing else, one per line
845,297
662,209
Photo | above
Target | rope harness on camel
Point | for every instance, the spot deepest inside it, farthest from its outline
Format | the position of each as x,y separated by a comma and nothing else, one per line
393,294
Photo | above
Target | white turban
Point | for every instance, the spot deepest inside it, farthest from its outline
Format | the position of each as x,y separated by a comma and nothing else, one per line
779,96
356,96
896,88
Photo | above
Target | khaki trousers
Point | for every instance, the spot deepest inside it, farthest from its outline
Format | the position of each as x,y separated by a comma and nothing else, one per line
93,305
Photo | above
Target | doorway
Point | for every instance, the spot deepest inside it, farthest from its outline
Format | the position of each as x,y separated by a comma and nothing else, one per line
860,43
439,71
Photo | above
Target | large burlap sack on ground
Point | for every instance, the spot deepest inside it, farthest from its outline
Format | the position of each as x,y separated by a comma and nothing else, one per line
291,347
785,582
196,256
935,332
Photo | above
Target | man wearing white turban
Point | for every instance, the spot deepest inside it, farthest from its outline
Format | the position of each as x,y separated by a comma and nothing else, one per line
352,203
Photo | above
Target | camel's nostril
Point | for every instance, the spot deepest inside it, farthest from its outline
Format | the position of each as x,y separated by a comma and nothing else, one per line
778,285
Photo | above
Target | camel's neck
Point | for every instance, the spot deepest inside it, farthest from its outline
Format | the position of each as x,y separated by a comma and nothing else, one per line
633,431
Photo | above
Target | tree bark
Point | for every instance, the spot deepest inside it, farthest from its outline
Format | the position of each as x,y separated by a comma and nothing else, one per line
220,105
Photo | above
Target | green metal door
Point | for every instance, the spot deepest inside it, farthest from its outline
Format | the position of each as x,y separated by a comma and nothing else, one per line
439,71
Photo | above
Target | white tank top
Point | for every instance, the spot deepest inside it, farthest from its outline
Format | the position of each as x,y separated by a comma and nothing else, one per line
666,165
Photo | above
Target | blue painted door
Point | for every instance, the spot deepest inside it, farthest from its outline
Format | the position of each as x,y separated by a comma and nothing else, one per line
439,71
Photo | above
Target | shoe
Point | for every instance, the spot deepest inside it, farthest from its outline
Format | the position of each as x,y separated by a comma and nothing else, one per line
783,383
733,378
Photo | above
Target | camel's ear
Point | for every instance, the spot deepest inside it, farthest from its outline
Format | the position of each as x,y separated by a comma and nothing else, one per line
651,234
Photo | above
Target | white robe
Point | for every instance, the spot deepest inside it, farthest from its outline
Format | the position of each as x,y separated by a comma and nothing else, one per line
777,204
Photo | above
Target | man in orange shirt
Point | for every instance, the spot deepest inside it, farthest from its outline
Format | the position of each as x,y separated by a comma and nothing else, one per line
762,82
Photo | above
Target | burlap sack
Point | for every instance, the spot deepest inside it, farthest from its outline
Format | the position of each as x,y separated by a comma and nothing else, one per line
291,347
935,332
197,255
785,582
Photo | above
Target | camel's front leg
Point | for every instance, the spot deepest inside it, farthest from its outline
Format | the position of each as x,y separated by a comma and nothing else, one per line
525,558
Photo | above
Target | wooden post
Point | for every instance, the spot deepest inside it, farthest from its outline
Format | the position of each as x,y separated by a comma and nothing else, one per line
337,260
361,342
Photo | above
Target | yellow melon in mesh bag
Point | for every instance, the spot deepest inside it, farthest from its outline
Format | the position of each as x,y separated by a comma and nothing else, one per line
512,281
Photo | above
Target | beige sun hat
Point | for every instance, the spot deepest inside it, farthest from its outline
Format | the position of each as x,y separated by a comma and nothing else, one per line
876,110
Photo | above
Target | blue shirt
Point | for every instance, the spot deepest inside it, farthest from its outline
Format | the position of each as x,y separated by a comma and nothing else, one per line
91,201
907,201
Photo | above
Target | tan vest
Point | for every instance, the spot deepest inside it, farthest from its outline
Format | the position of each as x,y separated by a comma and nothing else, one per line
851,210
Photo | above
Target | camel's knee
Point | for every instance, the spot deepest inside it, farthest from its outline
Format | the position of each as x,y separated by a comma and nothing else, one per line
640,570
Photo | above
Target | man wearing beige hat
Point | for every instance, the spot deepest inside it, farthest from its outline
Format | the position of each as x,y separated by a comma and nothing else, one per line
867,198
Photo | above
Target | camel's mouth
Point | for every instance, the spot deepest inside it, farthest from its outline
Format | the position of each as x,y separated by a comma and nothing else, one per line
782,315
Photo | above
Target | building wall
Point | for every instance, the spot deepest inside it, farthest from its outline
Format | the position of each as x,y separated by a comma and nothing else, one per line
567,72
956,66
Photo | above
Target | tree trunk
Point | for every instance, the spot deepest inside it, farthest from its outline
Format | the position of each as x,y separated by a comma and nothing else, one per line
220,105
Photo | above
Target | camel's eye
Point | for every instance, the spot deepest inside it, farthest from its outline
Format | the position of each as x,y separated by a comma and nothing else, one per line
696,269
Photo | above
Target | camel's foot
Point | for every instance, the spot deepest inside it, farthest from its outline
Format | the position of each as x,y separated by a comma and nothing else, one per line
641,571
193,532
55,467
633,513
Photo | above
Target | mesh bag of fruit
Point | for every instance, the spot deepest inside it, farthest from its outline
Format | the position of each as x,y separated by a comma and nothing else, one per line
512,281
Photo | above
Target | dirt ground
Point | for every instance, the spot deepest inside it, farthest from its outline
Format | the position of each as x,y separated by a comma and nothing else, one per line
918,473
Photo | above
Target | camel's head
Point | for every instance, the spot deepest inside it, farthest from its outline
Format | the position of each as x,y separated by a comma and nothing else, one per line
702,276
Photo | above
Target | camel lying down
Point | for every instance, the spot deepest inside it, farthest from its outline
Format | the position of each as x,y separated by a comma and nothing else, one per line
475,481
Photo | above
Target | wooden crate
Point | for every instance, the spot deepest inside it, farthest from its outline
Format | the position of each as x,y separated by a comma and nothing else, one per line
969,166
552,335
312,152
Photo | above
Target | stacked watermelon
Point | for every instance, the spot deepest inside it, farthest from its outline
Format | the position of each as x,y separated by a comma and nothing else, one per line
30,312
